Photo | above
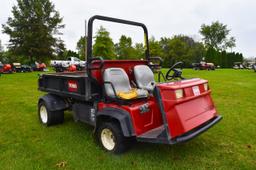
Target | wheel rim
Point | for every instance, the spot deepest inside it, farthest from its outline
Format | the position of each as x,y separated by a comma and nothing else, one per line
43,114
107,138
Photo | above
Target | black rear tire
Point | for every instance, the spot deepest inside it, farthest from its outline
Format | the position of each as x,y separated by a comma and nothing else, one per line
50,117
121,143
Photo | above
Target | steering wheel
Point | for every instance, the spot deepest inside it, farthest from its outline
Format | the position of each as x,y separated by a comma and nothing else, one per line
175,71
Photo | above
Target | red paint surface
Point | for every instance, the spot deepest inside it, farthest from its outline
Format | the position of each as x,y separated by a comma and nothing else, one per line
186,113
7,67
142,122
127,65
72,68
182,114
42,65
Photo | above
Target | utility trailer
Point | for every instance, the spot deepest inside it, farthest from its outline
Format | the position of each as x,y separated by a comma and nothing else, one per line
121,99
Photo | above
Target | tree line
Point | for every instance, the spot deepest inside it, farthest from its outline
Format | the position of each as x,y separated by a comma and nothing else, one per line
35,35
171,50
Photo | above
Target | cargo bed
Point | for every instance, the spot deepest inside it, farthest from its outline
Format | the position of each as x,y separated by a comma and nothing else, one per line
68,84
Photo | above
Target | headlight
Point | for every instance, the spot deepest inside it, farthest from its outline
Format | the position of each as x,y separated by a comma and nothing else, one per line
206,87
179,93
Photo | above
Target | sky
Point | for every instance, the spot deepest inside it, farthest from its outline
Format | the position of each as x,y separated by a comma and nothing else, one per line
162,17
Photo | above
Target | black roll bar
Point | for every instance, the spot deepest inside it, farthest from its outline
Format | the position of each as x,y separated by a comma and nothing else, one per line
89,46
104,18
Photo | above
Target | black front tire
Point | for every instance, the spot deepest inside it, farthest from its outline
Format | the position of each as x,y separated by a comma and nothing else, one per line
49,117
121,143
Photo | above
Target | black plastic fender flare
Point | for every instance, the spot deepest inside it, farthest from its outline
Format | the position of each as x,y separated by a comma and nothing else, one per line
54,102
120,115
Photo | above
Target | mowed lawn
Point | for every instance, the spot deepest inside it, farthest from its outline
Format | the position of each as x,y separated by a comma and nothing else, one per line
26,144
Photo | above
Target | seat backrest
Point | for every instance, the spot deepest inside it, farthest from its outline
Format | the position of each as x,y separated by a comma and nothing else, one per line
119,79
144,77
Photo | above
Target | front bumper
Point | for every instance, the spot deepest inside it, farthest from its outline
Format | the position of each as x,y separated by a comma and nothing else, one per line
197,131
161,136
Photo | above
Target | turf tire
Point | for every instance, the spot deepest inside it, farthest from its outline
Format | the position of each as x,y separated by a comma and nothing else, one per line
121,143
50,117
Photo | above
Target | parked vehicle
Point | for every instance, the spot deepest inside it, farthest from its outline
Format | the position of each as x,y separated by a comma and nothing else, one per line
17,67
26,68
254,67
203,66
1,67
238,65
249,65
39,66
68,65
122,101
5,68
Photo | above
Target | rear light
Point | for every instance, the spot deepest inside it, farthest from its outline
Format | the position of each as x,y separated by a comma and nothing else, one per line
179,93
206,87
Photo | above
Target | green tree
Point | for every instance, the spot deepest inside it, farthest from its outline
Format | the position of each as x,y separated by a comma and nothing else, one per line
230,43
223,59
60,50
33,29
216,36
165,46
212,56
70,53
139,51
81,47
124,48
1,47
1,51
104,45
155,48
181,48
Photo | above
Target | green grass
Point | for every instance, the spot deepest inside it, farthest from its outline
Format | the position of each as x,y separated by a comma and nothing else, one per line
25,144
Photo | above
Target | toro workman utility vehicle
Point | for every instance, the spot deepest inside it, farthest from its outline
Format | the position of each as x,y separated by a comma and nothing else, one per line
121,99
203,66
5,68
39,66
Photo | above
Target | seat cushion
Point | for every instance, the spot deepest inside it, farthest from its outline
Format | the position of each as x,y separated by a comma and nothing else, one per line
133,94
144,77
121,84
119,80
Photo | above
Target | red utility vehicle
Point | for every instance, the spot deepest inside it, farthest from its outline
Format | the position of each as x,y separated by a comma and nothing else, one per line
5,68
121,99
38,66
203,66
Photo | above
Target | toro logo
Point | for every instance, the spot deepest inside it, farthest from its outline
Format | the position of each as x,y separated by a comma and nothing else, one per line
72,86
